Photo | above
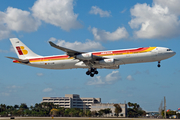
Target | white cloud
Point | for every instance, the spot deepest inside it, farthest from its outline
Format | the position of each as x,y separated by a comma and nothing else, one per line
103,35
108,79
40,74
96,10
57,12
52,39
173,5
47,90
14,19
4,31
129,77
96,81
86,46
159,21
19,20
112,77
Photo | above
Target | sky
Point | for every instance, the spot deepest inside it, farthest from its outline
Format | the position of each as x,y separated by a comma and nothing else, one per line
91,25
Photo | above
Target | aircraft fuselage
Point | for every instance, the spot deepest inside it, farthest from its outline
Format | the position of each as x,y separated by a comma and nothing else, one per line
127,56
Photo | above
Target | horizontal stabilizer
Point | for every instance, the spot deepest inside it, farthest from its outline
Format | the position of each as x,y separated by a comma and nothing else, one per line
20,60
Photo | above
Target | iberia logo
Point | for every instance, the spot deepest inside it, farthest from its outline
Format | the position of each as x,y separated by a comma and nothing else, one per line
21,50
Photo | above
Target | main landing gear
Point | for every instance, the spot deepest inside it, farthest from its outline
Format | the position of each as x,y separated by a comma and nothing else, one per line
92,72
159,64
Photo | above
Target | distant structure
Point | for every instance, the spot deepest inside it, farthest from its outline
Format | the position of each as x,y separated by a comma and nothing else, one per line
93,104
160,109
152,114
164,107
99,106
72,101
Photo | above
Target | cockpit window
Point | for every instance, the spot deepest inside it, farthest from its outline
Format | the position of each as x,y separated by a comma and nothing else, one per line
169,50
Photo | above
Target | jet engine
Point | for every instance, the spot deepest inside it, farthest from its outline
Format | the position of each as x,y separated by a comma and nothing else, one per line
85,56
106,62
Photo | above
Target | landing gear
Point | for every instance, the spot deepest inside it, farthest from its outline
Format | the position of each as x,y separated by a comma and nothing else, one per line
92,75
95,72
88,72
159,64
92,72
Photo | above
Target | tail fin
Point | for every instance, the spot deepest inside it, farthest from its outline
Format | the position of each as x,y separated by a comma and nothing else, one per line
22,50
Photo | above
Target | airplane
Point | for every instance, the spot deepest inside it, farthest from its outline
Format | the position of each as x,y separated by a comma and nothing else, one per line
92,60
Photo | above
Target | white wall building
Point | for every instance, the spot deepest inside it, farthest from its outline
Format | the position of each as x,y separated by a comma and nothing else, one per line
99,106
72,101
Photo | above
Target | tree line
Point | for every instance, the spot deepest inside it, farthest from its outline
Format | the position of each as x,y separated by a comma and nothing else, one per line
50,109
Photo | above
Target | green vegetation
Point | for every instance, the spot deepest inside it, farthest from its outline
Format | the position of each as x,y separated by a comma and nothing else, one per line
42,109
169,113
135,110
46,110
49,109
118,109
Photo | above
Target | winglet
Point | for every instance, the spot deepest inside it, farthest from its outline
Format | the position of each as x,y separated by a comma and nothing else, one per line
52,44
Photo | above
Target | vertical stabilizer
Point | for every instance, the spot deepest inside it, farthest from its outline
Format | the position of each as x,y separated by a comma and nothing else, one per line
22,50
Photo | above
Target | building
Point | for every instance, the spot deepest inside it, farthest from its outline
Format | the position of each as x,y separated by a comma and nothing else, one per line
93,104
99,106
72,101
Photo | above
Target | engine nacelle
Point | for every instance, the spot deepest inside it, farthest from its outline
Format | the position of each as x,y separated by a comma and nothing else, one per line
85,56
106,62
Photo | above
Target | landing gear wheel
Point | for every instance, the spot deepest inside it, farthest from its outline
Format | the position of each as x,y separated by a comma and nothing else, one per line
92,75
88,72
96,72
159,64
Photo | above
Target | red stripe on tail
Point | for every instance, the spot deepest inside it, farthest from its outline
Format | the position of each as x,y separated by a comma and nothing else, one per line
19,50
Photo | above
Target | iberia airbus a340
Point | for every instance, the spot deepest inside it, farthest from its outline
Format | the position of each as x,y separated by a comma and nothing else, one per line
92,60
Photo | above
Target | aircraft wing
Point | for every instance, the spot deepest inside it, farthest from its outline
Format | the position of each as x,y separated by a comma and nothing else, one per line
73,53
68,51
20,60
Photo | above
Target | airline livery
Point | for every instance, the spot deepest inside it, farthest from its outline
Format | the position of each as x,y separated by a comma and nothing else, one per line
91,60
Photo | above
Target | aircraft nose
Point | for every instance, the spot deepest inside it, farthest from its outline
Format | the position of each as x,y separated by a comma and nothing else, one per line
173,53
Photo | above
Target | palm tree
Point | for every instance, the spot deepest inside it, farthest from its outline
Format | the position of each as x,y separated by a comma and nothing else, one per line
3,107
130,104
118,109
16,106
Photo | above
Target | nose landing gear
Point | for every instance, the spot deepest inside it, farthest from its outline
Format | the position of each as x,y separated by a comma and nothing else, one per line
92,72
158,64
